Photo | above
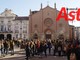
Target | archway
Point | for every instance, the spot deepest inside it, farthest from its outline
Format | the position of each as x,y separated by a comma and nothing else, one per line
9,36
1,36
35,36
48,34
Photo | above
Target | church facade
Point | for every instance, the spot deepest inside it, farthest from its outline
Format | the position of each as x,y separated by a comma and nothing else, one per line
43,24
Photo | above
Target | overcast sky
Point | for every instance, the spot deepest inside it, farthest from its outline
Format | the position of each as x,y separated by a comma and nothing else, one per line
22,7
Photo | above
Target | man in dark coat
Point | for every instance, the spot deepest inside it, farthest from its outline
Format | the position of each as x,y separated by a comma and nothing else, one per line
59,48
71,50
49,46
45,48
27,48
12,47
78,52
6,47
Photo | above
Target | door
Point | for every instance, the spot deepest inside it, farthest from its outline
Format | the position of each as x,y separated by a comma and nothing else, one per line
9,36
1,36
48,34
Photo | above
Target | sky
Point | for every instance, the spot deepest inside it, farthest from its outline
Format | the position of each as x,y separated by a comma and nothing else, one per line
22,7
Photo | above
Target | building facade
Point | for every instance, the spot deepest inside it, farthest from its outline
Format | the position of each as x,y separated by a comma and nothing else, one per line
72,32
12,26
6,24
43,24
21,27
39,24
77,33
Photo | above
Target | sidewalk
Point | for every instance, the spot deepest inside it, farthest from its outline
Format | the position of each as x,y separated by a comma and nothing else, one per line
16,51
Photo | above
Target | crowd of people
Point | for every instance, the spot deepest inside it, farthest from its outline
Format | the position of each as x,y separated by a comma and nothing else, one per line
46,47
41,48
6,46
70,49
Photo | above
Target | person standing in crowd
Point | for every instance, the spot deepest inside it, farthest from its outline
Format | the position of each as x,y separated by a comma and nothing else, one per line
2,48
55,48
27,49
68,52
59,48
12,47
49,46
64,48
71,51
35,47
5,47
45,48
32,45
38,47
41,48
78,52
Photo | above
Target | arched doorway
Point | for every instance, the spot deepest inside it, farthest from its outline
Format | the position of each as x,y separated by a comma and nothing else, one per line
9,36
1,36
48,34
35,36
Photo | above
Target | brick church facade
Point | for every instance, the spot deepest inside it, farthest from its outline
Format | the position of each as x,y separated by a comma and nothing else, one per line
43,24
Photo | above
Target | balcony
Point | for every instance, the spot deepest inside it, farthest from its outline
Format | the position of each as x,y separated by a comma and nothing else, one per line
6,31
24,31
16,31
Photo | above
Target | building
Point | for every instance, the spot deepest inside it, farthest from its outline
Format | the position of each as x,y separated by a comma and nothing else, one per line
13,26
72,32
40,24
21,27
43,25
77,33
6,24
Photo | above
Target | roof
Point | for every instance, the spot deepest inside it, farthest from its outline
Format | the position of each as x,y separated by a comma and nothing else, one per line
21,18
33,12
36,11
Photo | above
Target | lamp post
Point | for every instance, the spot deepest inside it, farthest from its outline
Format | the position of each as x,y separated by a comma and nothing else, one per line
72,21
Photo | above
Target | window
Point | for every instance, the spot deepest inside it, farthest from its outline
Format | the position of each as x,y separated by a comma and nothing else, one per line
24,31
16,23
16,29
16,35
24,35
2,27
24,26
9,21
20,35
1,21
48,22
9,27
